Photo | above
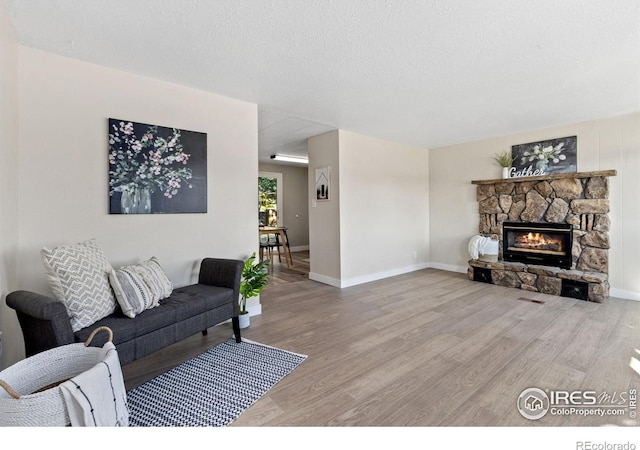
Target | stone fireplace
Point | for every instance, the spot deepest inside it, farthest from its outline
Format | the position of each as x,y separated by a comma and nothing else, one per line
553,233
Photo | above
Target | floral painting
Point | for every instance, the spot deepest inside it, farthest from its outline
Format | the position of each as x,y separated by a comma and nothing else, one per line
545,157
154,169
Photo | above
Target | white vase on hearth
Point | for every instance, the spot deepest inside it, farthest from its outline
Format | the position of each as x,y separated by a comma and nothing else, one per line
505,172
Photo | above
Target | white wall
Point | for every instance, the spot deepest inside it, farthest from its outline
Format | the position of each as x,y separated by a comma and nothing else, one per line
324,216
64,106
384,209
605,144
378,212
8,187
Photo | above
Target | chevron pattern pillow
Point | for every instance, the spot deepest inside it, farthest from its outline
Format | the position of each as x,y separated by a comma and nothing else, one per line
79,277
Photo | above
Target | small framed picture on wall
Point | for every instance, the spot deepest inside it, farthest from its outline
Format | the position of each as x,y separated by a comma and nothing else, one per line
323,183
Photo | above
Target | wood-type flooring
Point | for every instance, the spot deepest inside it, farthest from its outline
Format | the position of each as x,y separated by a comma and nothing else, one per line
427,348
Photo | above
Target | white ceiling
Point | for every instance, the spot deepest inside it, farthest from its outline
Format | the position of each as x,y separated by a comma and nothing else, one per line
423,72
285,135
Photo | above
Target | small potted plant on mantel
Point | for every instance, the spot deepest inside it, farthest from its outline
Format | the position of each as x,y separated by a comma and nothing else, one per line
504,160
255,276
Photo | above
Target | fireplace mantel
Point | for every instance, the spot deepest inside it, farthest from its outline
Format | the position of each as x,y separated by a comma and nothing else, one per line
580,199
558,176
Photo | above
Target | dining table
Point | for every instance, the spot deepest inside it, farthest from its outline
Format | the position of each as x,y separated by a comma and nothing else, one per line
282,235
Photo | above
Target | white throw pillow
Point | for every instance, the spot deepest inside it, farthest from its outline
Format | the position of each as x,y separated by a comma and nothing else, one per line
156,278
79,277
132,292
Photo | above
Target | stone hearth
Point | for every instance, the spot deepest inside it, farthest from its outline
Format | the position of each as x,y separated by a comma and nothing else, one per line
580,199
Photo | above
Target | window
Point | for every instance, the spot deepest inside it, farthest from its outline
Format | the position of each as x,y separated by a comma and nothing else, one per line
270,198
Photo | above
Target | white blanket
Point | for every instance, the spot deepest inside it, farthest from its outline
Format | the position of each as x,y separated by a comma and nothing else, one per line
97,397
480,245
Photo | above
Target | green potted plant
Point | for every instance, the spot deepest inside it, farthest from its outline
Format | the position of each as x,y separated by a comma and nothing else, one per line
504,160
255,276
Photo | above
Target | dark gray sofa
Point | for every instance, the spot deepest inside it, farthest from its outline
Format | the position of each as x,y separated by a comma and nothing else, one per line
188,311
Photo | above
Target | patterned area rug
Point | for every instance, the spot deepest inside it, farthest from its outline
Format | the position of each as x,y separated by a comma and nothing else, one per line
212,389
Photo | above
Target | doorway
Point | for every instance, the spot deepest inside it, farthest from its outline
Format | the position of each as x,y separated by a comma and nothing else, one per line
271,206
270,199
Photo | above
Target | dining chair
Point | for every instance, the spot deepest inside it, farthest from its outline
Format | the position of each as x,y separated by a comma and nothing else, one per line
267,243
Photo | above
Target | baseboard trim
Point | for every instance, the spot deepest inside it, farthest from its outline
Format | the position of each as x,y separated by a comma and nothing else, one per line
384,274
366,278
254,310
448,267
300,248
625,294
324,279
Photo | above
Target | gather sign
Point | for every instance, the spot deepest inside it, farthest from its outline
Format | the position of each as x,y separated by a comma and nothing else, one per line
525,172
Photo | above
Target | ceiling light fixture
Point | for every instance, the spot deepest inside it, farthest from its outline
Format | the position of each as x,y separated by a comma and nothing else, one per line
293,159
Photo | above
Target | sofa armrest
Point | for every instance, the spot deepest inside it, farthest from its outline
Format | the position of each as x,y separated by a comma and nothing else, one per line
223,273
44,321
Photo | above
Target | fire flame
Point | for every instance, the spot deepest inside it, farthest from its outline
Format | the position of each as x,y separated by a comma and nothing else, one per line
537,240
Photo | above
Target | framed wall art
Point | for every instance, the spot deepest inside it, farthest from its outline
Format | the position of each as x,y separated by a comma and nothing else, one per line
155,169
323,183
545,157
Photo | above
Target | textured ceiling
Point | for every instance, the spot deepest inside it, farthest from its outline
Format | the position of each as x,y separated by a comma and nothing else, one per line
280,133
423,72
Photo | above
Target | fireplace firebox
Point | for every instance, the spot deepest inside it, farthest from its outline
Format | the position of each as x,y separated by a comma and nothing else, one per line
546,244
